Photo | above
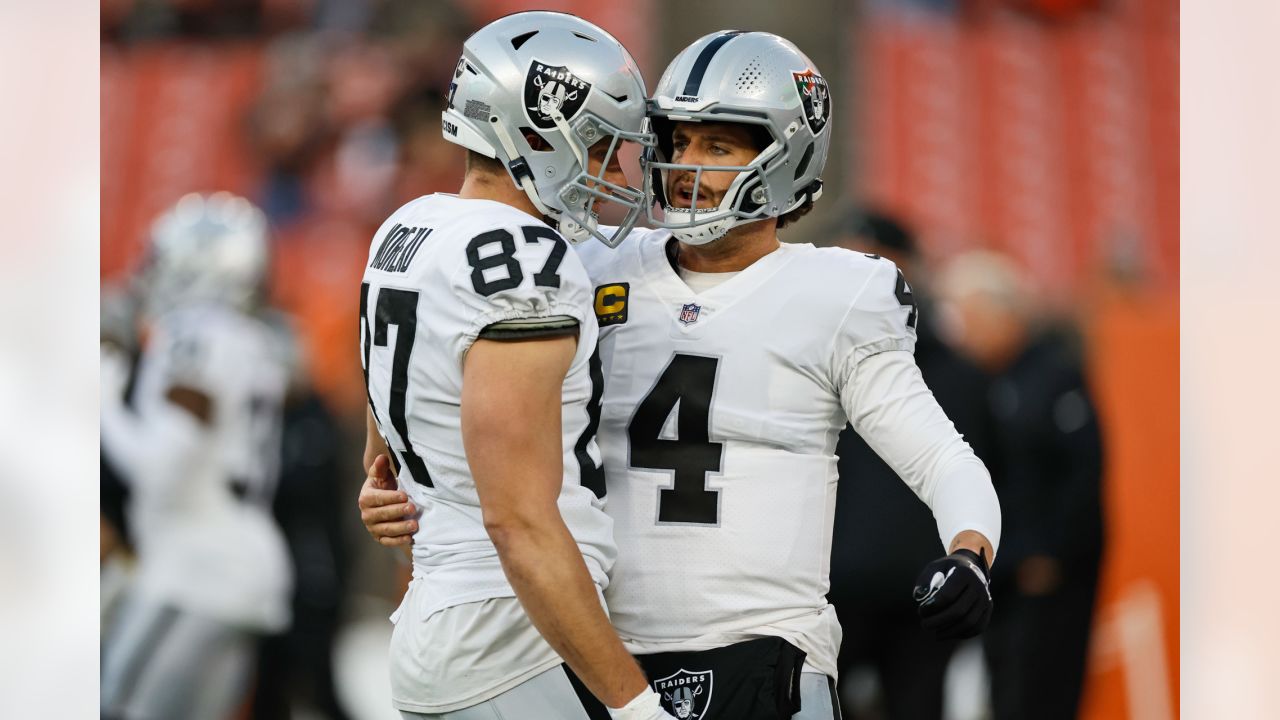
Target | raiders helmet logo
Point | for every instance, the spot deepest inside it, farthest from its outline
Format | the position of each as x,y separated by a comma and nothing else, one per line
815,97
685,694
548,89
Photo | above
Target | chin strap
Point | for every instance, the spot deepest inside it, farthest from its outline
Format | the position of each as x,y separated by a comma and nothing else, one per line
572,231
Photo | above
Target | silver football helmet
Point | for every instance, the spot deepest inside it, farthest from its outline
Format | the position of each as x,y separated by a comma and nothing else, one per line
571,84
758,79
206,248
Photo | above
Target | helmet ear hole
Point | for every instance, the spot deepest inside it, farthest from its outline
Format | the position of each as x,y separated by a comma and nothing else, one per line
537,142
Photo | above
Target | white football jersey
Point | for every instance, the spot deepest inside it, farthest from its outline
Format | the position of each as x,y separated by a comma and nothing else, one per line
719,424
207,541
441,269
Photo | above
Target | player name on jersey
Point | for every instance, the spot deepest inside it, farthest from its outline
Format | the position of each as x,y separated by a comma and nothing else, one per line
399,247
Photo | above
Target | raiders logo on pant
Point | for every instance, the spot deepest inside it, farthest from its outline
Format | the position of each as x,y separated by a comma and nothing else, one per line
686,694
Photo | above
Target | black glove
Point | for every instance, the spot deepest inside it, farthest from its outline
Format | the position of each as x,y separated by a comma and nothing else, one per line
954,596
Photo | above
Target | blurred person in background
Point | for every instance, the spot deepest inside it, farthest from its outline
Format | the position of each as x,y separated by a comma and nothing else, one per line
486,398
883,533
296,668
1047,467
118,324
718,437
199,449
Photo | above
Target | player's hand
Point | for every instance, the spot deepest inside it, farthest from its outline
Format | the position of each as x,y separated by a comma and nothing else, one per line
645,706
953,595
385,510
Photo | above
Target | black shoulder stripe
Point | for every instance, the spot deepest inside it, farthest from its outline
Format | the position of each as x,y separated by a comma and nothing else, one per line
694,82
555,326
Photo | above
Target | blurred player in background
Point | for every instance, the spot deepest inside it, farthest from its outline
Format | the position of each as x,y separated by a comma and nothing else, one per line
296,668
479,347
1048,468
731,363
882,532
198,449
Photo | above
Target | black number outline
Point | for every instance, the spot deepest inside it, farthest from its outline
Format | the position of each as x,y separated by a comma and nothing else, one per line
685,501
907,298
397,307
591,475
548,276
265,425
515,274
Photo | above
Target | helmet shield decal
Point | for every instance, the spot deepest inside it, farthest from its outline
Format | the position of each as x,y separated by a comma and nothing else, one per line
551,90
815,97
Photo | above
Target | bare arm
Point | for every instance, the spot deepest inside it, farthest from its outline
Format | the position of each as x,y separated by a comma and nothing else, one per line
975,542
374,445
511,429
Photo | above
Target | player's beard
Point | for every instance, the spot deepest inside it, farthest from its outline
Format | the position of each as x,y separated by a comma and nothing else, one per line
681,182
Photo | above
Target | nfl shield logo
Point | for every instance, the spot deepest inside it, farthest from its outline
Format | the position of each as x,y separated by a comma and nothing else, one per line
685,694
689,313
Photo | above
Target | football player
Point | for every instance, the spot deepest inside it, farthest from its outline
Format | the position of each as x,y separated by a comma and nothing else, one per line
731,363
478,341
199,448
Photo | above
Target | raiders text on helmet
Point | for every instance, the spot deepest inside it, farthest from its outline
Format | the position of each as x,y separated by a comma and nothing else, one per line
754,78
571,84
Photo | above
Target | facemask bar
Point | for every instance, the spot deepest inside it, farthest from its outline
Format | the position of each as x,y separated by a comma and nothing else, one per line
576,218
751,180
701,215
579,195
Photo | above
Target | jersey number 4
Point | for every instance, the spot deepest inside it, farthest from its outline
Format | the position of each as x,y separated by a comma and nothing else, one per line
688,382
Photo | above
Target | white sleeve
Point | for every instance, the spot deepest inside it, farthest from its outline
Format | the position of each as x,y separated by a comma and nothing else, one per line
153,449
520,287
892,408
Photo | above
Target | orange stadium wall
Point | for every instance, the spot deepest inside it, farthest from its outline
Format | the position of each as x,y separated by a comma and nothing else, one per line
1134,370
